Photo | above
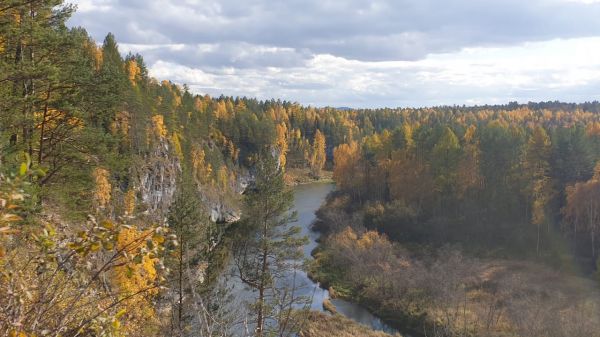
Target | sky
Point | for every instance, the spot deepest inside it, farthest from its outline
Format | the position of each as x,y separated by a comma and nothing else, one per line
362,54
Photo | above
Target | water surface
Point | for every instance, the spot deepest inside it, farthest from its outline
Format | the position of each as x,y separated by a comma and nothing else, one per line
307,200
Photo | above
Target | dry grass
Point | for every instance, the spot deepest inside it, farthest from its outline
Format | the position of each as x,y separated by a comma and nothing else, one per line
323,325
329,307
297,176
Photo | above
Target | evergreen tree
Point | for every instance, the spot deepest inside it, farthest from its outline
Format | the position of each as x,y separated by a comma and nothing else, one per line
446,154
269,250
189,223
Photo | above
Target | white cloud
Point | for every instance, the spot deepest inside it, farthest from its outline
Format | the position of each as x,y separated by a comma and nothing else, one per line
364,54
85,6
556,69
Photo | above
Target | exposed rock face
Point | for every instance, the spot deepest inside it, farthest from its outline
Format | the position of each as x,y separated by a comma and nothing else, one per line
220,213
158,179
157,183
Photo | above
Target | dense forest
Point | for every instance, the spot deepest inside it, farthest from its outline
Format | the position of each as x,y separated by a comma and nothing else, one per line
503,178
117,190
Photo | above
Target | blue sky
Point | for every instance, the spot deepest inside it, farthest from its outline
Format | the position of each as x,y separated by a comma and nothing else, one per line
378,53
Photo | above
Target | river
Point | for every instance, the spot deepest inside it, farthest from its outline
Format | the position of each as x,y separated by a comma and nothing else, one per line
307,200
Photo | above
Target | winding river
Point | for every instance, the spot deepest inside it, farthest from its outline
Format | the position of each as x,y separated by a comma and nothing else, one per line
308,199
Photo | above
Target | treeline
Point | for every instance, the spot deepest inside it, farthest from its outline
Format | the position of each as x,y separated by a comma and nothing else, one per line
520,179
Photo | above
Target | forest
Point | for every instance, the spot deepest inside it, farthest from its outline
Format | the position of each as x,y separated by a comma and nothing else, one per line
122,197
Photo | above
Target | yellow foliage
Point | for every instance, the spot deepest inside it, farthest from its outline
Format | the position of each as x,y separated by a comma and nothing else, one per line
158,126
221,110
177,146
233,152
350,240
199,104
102,191
95,52
318,157
223,177
98,58
129,202
368,239
470,134
15,333
345,169
239,107
281,143
133,72
348,235
596,176
121,123
593,129
134,277
271,114
408,134
202,171
54,118
177,100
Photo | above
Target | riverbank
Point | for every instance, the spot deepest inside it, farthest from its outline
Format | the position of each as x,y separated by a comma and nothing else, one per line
340,287
324,325
431,290
302,176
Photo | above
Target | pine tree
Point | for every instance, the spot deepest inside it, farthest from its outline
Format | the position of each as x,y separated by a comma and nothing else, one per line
268,249
188,222
43,69
446,154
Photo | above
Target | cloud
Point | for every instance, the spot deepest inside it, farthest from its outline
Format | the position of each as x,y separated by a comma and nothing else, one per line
85,6
363,53
370,31
473,76
238,55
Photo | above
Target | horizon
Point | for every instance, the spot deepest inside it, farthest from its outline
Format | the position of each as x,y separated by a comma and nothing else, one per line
379,55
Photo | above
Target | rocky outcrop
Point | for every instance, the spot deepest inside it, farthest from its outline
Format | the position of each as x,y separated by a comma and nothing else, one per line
158,179
222,214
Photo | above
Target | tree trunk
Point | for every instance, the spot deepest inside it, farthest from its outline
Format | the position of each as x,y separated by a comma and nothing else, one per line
260,320
180,305
42,129
592,234
537,247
